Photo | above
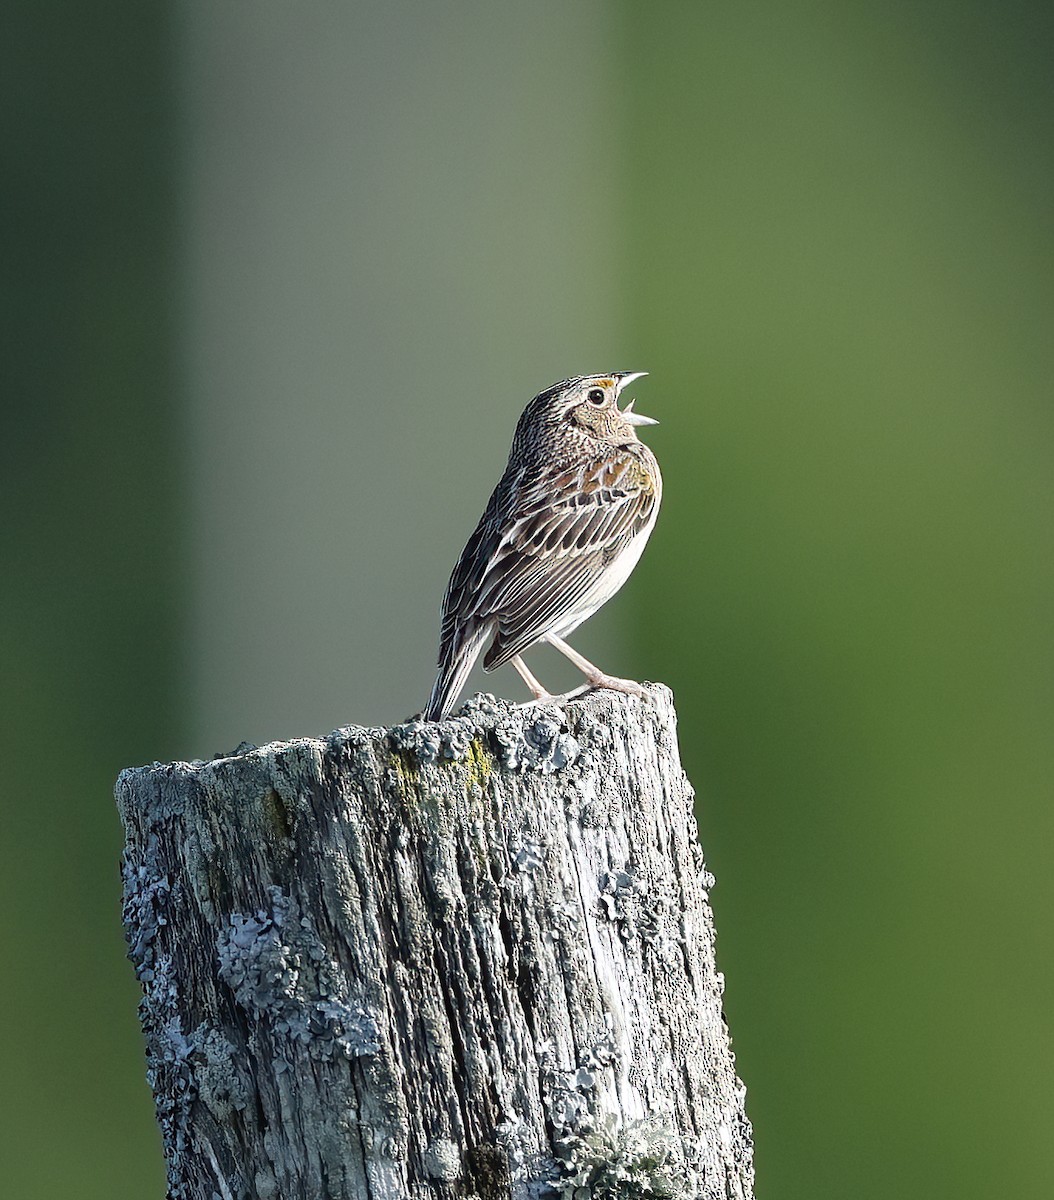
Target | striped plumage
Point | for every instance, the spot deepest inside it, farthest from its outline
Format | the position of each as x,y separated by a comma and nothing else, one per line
562,531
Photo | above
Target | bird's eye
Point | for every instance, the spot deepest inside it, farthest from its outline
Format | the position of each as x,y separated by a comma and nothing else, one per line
596,396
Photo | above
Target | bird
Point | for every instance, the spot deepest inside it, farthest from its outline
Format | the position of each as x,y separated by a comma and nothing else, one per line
562,532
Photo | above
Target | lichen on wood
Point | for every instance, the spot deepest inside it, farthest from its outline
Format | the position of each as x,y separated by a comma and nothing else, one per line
464,959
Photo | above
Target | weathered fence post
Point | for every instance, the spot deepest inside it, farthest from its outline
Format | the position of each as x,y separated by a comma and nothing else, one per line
465,959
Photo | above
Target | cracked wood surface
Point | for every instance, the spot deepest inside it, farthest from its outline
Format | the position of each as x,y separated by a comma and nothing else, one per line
471,958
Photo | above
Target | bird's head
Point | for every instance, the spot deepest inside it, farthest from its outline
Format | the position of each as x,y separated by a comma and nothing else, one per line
589,407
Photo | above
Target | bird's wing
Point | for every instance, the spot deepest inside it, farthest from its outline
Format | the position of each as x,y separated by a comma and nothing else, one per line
460,608
570,525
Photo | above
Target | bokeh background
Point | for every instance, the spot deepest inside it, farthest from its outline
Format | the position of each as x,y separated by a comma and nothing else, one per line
277,281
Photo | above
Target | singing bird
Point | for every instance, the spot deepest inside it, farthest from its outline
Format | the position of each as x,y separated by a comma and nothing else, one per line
561,533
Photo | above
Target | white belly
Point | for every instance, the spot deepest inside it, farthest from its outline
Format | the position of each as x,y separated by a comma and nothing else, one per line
608,583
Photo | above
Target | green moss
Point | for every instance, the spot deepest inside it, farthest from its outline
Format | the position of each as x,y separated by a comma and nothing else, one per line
488,1172
276,819
479,765
405,768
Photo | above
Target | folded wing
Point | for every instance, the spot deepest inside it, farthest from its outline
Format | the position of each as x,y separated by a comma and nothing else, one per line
571,527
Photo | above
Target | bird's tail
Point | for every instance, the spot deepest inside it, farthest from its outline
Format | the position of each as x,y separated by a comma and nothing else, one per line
454,668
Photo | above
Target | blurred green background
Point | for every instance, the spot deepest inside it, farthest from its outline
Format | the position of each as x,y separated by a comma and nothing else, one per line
276,285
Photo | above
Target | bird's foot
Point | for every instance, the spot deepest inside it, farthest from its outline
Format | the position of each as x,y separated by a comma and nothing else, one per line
548,698
613,683
597,678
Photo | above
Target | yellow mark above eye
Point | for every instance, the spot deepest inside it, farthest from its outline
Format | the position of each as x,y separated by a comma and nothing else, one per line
605,383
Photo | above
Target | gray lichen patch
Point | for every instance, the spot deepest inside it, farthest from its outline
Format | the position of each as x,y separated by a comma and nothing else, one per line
428,742
442,1160
543,743
641,907
634,1160
536,738
222,1083
146,906
277,967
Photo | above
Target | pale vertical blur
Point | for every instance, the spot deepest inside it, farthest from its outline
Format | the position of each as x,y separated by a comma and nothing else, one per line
402,222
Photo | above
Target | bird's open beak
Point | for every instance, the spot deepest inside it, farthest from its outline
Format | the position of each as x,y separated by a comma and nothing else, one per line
629,415
633,418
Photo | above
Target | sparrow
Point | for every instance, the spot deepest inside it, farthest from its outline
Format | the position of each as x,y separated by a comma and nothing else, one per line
562,532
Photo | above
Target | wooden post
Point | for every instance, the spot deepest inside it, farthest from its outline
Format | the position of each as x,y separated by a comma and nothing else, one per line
470,959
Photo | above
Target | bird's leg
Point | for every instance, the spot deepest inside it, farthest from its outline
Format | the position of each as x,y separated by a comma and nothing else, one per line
541,696
536,689
594,674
